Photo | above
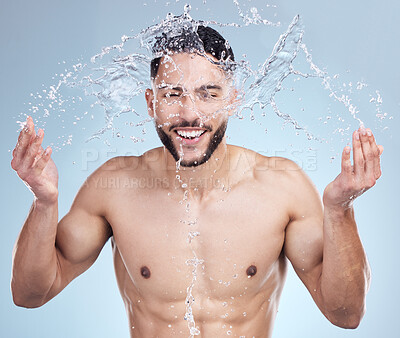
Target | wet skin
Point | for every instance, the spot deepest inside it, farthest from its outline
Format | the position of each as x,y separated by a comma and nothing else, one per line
237,287
242,215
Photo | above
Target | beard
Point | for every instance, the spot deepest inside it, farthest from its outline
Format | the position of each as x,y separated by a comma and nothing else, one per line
215,140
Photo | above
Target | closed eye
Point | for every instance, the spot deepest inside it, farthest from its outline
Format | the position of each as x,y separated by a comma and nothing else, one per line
206,95
210,91
172,94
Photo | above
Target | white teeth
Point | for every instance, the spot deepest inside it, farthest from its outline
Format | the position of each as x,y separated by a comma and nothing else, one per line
190,134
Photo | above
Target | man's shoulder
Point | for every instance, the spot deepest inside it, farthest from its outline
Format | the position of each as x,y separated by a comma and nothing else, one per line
118,165
279,169
263,163
129,165
282,175
118,173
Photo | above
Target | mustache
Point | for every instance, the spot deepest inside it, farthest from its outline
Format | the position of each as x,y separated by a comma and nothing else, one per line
193,124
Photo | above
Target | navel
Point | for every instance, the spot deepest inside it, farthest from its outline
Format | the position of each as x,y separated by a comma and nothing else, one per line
251,271
145,272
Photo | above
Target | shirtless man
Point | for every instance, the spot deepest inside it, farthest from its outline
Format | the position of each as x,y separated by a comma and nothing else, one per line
198,217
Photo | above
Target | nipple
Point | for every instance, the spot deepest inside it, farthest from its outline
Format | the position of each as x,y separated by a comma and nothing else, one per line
145,272
251,271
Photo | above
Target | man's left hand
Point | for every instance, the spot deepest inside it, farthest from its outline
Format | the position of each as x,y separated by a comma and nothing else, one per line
355,179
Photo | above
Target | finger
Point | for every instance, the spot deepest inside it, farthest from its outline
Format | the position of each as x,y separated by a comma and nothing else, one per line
38,155
24,139
31,126
380,149
33,133
369,157
32,151
346,161
376,152
42,160
358,157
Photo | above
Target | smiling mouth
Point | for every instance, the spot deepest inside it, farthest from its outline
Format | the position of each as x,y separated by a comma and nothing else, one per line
190,134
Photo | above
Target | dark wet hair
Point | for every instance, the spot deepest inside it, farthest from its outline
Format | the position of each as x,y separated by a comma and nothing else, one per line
204,39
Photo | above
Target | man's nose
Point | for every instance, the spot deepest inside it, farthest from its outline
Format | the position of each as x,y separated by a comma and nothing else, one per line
188,107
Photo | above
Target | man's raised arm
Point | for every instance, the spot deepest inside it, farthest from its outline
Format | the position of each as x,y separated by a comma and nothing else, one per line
324,245
48,255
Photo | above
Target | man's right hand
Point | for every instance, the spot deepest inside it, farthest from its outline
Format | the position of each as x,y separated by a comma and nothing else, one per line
34,165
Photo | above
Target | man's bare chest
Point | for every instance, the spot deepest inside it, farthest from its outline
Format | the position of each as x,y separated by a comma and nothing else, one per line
226,243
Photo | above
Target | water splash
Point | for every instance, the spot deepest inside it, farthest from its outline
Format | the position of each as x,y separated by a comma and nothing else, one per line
253,18
195,262
115,80
191,235
270,76
120,81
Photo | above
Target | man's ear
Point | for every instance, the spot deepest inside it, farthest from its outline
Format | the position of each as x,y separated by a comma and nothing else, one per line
149,95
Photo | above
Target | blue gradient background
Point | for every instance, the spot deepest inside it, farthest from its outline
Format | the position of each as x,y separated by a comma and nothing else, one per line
357,39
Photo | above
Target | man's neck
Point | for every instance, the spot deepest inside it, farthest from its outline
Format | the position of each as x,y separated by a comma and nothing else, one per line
200,180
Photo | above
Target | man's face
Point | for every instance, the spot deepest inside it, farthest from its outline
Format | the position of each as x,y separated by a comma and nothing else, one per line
190,102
